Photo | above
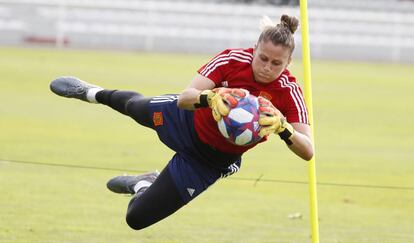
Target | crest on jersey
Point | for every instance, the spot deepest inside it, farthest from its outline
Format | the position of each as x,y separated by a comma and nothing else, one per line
265,95
225,84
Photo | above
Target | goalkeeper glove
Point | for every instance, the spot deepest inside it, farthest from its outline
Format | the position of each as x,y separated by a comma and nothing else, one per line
220,100
272,121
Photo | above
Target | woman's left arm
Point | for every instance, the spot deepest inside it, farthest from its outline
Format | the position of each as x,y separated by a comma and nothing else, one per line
301,141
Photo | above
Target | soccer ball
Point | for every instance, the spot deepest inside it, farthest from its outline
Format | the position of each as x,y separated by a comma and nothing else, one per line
241,126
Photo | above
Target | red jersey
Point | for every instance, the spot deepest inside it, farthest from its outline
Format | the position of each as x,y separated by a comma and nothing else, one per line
233,69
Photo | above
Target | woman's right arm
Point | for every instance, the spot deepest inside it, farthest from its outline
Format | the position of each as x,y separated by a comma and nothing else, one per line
191,94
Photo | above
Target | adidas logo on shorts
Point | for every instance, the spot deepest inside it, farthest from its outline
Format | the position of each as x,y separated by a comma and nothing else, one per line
191,191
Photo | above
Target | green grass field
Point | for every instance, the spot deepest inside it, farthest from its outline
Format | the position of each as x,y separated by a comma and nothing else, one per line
364,136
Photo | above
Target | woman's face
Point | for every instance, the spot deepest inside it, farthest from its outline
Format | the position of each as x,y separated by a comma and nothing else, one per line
269,61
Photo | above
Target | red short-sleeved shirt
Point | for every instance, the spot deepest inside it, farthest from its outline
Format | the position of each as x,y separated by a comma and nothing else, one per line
232,68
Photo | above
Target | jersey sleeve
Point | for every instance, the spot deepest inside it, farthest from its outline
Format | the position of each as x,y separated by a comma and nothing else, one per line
216,68
295,108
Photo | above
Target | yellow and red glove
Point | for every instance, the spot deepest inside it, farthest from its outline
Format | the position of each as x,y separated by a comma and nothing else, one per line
220,100
272,121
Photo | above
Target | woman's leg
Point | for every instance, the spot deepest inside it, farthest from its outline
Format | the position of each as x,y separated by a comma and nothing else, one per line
162,198
158,201
129,103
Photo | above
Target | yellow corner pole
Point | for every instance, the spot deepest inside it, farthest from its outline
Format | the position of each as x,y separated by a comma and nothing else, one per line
308,100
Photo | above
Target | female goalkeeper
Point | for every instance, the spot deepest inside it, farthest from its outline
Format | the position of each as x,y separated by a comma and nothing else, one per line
186,123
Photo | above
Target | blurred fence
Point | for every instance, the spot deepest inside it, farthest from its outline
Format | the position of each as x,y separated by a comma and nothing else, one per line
352,30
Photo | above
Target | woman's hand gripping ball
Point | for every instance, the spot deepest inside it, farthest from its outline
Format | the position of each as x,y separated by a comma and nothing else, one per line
221,100
272,121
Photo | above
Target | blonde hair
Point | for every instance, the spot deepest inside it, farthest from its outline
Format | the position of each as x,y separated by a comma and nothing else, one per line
281,33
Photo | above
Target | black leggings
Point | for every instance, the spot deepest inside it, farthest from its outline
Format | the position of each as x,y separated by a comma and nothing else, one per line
129,103
161,199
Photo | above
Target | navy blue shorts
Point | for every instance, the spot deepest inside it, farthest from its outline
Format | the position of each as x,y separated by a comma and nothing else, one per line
193,170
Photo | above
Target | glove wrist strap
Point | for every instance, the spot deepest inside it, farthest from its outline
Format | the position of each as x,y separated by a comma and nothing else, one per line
203,101
285,136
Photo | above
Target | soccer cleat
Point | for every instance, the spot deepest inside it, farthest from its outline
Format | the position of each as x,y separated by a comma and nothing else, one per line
72,87
126,184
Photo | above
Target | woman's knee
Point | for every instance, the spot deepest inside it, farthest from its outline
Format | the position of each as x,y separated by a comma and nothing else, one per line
136,221
134,103
139,214
137,108
159,201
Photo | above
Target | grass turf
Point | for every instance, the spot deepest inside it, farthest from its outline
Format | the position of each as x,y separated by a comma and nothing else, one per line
363,126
